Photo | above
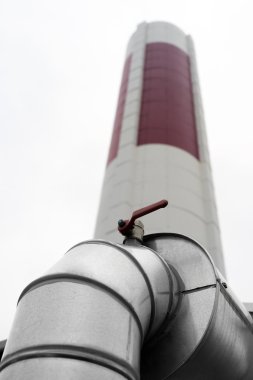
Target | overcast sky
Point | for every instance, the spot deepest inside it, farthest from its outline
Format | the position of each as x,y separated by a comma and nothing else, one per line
60,69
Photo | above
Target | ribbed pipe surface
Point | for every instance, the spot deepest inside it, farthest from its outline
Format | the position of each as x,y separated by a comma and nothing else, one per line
88,316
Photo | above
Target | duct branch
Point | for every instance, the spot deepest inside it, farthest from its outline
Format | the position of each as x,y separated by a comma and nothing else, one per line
89,315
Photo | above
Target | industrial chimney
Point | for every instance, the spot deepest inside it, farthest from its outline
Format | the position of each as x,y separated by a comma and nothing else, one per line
159,147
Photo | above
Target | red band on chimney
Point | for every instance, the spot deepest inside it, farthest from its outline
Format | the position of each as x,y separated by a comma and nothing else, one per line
167,113
119,113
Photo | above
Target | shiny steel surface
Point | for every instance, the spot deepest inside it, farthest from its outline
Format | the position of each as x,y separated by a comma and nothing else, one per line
2,345
161,280
95,305
58,368
211,334
75,314
107,311
226,351
249,307
176,344
112,267
187,257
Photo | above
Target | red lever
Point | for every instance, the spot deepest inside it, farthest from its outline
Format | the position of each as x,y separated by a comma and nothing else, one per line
126,225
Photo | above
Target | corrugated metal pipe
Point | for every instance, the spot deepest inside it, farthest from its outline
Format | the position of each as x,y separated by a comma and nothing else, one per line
89,315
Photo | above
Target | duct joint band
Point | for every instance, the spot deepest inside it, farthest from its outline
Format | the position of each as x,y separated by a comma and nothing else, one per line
72,352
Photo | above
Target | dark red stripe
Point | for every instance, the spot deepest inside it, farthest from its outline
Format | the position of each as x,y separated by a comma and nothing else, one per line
167,113
119,113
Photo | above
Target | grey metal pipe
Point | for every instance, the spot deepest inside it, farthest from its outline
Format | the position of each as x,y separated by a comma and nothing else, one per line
88,316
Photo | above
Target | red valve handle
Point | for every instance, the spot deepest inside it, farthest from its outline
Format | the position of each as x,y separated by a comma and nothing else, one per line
126,225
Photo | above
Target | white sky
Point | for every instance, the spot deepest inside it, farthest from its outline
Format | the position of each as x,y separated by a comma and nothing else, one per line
60,68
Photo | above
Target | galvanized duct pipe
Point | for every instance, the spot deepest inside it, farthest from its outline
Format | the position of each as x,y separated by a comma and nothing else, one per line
88,316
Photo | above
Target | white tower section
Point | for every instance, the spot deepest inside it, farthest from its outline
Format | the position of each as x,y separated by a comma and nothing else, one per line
159,146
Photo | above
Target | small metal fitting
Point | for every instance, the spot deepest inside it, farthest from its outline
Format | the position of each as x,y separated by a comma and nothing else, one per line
136,232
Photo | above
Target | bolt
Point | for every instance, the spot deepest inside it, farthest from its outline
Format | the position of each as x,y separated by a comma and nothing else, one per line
121,223
225,285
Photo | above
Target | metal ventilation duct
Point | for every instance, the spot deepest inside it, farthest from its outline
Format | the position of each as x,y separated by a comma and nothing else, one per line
107,311
89,315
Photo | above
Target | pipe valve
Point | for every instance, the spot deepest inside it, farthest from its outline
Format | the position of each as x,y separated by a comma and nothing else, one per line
126,226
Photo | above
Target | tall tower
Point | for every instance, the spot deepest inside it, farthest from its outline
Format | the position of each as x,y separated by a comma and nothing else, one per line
159,146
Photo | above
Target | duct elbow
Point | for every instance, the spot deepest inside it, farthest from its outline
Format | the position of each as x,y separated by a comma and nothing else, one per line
88,316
